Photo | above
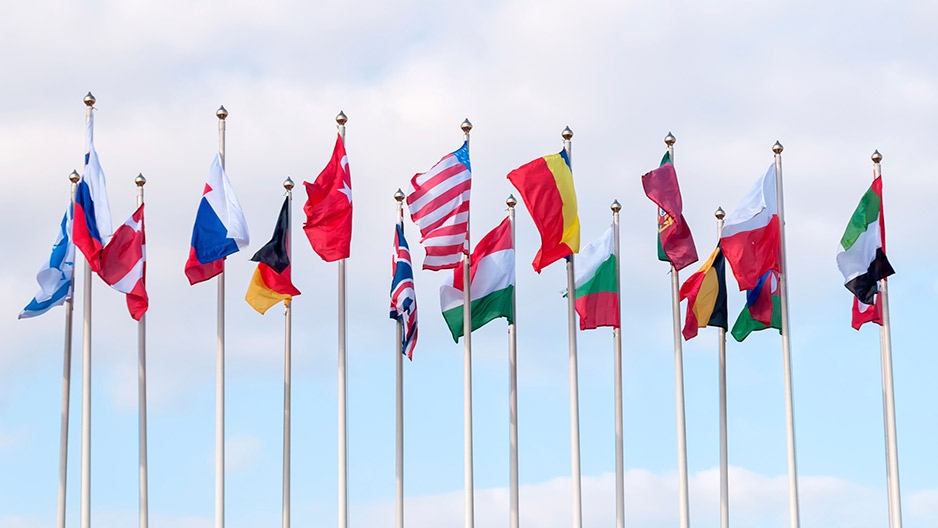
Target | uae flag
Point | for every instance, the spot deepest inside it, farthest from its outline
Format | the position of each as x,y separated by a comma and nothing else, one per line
492,283
597,285
271,282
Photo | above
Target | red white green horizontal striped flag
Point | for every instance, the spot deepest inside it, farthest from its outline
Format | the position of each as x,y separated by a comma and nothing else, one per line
597,284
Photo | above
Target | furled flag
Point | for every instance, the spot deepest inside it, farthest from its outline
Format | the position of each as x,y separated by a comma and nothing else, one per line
492,283
92,223
675,242
439,205
763,308
751,233
403,295
220,229
271,281
862,257
546,187
597,284
328,208
705,292
56,275
124,263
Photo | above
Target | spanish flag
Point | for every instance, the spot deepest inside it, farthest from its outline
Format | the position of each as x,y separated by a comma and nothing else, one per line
546,187
271,281
705,292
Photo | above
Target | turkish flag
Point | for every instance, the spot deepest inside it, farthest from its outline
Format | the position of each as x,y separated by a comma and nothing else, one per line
328,208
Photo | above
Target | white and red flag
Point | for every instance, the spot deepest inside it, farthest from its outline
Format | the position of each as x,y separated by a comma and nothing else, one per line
328,208
124,264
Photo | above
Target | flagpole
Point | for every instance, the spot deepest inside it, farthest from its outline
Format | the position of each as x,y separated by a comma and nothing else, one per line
669,140
399,397
340,120
617,337
567,135
794,517
222,114
287,364
142,394
889,402
513,503
466,127
720,214
86,377
74,178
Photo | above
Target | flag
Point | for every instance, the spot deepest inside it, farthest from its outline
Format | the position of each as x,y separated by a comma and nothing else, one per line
439,205
492,283
763,308
220,229
56,275
328,208
271,281
403,295
752,233
546,186
705,292
597,284
92,220
124,263
675,242
862,256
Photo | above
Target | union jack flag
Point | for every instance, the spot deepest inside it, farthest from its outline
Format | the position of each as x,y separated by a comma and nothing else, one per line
403,296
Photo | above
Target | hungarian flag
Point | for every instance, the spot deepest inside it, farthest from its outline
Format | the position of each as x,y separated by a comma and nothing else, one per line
328,208
546,187
862,257
492,283
271,281
597,284
763,308
752,233
705,292
124,264
675,242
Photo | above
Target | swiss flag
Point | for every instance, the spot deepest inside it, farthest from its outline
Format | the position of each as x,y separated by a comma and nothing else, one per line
328,208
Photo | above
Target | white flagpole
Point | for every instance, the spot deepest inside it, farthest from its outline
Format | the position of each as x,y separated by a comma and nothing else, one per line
889,402
74,177
86,378
617,337
567,135
222,114
724,464
679,377
142,395
287,365
399,397
794,517
340,120
466,127
513,502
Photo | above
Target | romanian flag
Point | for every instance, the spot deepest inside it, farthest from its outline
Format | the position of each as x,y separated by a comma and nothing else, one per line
705,292
271,281
546,186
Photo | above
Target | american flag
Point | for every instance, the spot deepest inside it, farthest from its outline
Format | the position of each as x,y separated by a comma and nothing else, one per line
439,205
403,296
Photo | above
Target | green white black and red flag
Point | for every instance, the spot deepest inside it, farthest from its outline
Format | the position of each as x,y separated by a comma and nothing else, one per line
597,286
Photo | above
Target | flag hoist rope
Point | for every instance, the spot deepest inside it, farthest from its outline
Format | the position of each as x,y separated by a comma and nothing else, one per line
399,395
466,127
724,467
617,337
340,120
74,178
287,365
142,395
221,114
513,506
89,101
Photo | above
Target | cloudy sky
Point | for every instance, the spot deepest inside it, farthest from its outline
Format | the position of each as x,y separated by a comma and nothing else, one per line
832,81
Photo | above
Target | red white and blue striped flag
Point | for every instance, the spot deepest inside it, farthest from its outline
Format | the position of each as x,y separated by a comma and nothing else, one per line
403,296
91,229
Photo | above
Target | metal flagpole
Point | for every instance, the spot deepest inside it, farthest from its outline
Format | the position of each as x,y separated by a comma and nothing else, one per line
287,364
74,177
567,135
889,402
399,396
466,127
513,510
340,120
86,378
222,114
720,214
679,377
142,394
617,337
794,518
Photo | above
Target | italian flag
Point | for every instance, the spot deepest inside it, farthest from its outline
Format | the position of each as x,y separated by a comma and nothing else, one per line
597,284
492,283
862,257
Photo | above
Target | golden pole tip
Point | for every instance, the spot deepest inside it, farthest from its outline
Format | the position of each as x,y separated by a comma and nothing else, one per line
140,180
616,206
221,113
567,134
466,126
669,140
89,99
74,177
876,157
777,148
341,118
288,184
511,201
719,213
399,195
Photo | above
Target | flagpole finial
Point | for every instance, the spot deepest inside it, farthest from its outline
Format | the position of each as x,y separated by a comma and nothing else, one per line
567,134
669,140
140,180
288,184
876,157
777,148
341,119
466,126
616,206
74,177
221,113
399,196
89,99
511,201
719,213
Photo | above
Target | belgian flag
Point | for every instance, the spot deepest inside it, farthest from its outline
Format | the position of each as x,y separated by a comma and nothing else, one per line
705,292
271,281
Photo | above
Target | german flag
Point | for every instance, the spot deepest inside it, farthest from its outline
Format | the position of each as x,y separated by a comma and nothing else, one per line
705,292
271,281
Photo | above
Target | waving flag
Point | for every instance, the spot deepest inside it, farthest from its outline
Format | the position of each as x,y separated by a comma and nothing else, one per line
124,264
403,296
705,292
439,205
674,237
56,275
763,308
92,222
220,229
596,283
328,208
752,233
272,281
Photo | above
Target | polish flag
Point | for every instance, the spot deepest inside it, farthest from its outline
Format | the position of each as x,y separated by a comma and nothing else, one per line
124,264
751,234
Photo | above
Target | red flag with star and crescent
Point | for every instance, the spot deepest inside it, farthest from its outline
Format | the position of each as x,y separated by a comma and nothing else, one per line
328,208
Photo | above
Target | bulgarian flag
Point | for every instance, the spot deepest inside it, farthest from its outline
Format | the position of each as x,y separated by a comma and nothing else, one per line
597,283
492,283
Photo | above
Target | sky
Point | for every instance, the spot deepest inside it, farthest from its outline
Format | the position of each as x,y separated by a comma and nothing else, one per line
832,81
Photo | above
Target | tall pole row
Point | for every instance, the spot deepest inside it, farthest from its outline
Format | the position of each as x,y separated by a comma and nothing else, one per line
89,101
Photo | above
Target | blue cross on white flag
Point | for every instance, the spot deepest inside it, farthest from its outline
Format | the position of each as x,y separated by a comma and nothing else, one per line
55,276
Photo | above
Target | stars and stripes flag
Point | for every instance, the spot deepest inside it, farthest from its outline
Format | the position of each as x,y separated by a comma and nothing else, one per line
124,263
403,296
